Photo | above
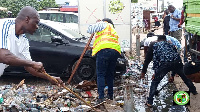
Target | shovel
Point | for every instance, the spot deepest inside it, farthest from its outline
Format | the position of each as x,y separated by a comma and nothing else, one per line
157,91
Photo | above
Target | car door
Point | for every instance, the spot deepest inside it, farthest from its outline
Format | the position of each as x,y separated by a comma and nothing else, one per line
53,54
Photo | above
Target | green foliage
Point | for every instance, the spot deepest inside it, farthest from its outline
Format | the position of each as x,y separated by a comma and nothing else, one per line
47,3
3,14
16,5
131,57
116,6
134,1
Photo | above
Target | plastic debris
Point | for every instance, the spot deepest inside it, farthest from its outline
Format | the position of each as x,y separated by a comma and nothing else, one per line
22,97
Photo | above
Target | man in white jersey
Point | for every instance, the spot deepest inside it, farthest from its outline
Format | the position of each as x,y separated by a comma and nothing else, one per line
14,46
147,43
155,37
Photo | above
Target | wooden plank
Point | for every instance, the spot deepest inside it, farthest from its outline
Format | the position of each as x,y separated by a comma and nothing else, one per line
193,15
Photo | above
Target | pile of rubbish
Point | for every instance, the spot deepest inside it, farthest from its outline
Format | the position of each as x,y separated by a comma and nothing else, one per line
22,97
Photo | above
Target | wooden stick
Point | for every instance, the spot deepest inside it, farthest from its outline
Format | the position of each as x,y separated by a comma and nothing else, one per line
79,98
185,43
19,85
70,91
85,49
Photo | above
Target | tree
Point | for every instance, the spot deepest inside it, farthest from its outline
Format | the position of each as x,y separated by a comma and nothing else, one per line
16,5
47,4
134,1
3,13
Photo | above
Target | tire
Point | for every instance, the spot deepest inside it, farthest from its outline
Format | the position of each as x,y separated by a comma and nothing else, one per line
85,71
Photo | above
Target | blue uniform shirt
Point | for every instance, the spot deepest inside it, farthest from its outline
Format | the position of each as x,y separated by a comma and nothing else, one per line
174,23
174,41
99,26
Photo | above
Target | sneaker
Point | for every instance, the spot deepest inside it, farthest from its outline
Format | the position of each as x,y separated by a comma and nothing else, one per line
99,103
194,93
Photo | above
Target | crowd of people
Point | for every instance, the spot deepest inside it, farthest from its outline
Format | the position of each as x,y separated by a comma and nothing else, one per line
164,51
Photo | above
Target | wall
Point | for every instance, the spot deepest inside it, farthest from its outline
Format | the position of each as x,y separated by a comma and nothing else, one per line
92,10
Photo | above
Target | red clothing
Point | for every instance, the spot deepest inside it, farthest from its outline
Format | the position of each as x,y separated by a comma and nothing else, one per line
182,18
155,18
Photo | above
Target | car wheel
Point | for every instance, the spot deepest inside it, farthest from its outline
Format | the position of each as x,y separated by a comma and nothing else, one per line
85,71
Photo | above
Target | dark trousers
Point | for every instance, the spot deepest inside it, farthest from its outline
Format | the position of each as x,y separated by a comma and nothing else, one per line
166,32
105,67
177,34
177,67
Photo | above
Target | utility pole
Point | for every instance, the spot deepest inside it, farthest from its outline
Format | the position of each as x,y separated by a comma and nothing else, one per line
157,6
161,9
138,42
163,4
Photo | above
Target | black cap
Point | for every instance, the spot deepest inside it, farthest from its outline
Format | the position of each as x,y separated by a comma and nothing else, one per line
161,37
108,20
150,34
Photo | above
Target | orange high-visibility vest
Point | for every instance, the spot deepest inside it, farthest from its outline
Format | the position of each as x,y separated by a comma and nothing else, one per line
106,38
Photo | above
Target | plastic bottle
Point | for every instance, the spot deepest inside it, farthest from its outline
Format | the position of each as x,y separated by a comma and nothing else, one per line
67,103
1,99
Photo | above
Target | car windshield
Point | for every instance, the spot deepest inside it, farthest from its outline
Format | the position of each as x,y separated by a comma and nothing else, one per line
45,33
71,34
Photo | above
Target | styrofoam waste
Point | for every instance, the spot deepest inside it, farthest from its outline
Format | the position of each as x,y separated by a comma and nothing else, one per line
82,108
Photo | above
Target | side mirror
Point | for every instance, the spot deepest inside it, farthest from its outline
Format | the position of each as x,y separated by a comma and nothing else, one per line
59,41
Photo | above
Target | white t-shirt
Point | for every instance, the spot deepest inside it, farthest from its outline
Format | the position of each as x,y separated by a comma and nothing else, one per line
149,40
19,46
